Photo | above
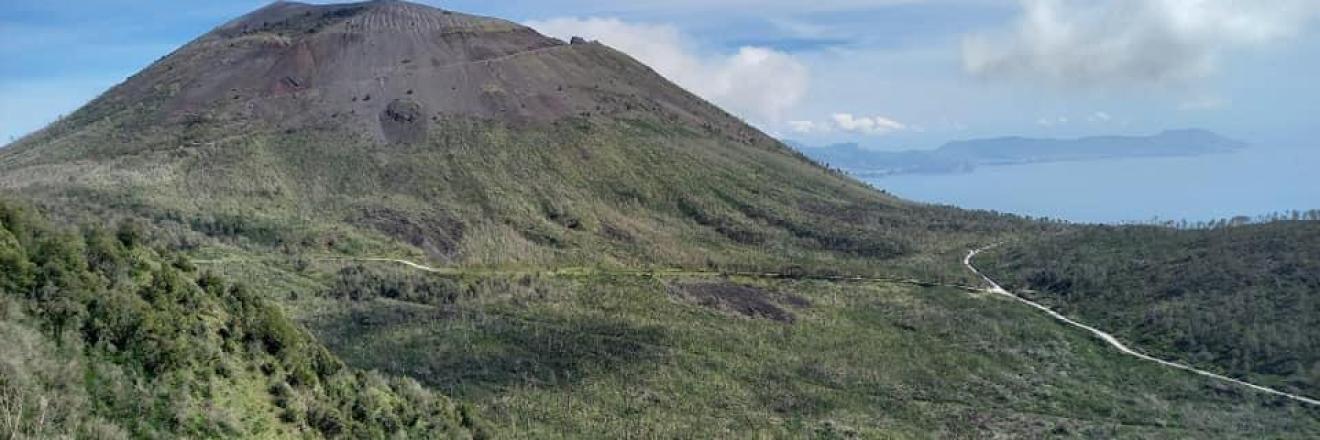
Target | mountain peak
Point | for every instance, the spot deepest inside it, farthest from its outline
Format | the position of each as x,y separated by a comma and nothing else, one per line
469,138
366,16
370,66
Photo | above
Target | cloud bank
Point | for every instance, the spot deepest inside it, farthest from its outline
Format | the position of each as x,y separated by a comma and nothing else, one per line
755,83
866,125
849,123
1123,42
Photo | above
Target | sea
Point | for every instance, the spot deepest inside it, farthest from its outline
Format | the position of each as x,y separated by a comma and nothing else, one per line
1250,182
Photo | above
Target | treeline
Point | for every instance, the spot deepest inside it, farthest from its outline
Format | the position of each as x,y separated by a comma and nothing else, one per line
1241,220
357,283
1241,300
107,337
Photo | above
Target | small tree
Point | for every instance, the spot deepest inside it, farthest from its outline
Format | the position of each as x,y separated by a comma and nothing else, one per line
130,233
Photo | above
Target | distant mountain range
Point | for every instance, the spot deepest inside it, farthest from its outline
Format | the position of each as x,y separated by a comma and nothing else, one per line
964,156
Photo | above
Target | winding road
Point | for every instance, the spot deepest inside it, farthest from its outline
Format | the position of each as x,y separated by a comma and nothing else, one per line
1114,342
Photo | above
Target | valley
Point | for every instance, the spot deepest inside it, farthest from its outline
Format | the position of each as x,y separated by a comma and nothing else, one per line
582,355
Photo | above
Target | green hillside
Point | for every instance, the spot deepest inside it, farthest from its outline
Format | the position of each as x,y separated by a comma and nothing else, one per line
106,337
592,252
1241,300
664,355
520,150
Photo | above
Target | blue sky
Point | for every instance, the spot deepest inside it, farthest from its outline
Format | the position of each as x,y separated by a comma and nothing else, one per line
889,74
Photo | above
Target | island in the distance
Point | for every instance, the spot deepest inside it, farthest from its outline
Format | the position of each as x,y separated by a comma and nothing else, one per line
965,156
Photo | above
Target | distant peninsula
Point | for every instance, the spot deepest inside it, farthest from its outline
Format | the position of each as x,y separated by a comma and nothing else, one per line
965,156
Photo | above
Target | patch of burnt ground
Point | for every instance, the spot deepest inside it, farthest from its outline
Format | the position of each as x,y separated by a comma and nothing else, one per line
404,122
749,301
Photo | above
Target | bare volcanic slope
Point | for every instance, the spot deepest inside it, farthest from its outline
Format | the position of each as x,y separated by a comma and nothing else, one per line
376,65
475,140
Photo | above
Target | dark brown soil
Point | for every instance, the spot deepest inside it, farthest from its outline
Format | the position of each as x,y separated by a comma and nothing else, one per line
749,301
404,122
372,64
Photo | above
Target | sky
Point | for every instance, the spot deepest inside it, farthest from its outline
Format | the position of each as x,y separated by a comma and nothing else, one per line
888,74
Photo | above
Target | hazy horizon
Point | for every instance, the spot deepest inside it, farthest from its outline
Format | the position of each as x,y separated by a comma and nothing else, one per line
1259,180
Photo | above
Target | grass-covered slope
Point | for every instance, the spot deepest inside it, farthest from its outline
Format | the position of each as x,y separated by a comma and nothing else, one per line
688,355
481,193
472,142
1242,300
102,336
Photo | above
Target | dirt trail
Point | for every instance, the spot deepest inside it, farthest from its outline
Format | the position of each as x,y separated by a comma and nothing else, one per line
418,266
587,271
1114,342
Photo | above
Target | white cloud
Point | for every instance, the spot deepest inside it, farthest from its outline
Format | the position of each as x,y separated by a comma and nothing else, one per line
756,83
1050,122
1115,42
866,125
849,123
1099,117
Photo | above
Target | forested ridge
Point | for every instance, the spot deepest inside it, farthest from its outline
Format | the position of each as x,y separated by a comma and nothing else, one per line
106,336
1243,300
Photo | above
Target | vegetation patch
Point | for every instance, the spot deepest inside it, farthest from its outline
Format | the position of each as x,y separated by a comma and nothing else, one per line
617,357
107,337
749,301
436,234
1242,300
